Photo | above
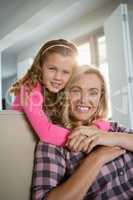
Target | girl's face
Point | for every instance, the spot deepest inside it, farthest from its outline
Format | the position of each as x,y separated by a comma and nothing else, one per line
84,97
56,71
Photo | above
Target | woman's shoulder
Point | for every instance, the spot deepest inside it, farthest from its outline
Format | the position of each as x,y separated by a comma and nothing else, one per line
109,125
118,127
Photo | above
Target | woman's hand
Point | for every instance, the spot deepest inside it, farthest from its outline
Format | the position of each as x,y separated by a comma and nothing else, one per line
80,138
86,138
107,154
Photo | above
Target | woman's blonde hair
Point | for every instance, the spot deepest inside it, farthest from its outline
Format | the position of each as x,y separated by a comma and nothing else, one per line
102,110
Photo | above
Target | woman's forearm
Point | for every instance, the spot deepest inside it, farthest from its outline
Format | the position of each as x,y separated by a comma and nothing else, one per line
78,184
125,140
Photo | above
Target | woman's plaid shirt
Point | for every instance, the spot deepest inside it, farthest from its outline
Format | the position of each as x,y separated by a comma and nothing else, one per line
53,165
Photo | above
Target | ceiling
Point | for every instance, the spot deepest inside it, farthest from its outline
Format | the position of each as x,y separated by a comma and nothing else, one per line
23,22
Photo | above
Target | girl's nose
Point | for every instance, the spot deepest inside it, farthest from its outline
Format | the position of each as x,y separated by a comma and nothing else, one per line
57,76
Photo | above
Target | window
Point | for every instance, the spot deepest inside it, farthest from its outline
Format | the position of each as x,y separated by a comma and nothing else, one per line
84,54
104,66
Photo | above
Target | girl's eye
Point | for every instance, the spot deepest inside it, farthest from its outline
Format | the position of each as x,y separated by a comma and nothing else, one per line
52,69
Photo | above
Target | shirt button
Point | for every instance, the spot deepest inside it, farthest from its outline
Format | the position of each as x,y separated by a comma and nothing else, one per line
121,172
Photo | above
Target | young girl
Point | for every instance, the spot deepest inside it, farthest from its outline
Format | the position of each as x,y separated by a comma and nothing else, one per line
40,91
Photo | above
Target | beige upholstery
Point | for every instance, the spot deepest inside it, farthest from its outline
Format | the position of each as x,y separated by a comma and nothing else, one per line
16,156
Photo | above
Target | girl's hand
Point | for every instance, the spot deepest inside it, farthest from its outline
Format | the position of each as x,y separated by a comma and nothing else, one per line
23,96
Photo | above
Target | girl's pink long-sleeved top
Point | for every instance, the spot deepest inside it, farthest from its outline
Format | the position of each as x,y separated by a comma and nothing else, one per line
44,128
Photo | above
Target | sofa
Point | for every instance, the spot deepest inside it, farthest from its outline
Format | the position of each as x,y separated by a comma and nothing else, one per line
17,144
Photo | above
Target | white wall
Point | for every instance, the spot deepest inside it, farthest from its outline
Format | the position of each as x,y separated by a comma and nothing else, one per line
14,19
9,64
23,66
79,28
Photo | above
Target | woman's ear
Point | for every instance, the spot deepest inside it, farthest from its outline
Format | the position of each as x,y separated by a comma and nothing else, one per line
100,104
98,108
67,93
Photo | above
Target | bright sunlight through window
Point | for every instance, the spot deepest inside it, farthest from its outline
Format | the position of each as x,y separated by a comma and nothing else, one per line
84,54
104,66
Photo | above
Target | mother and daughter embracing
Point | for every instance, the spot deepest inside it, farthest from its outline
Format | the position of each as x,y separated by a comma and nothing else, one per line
79,154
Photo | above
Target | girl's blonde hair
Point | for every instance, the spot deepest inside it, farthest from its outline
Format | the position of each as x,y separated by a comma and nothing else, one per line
53,102
102,110
34,74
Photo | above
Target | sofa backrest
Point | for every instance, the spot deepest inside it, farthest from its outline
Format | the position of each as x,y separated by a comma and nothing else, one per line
17,145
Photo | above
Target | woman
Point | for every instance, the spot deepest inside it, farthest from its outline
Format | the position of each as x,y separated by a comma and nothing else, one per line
61,174
87,99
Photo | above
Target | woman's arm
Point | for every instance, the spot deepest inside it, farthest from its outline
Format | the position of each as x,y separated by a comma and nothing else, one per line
118,136
50,169
79,183
110,139
87,138
124,140
124,136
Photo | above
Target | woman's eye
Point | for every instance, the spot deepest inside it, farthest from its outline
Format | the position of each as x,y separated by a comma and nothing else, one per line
66,72
93,93
75,91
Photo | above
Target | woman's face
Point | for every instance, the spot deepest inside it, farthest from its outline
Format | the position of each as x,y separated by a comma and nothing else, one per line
56,71
84,96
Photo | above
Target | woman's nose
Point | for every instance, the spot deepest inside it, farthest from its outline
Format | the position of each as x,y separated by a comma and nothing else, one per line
84,98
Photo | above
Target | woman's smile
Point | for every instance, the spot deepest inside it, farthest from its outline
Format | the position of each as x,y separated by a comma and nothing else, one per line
83,109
